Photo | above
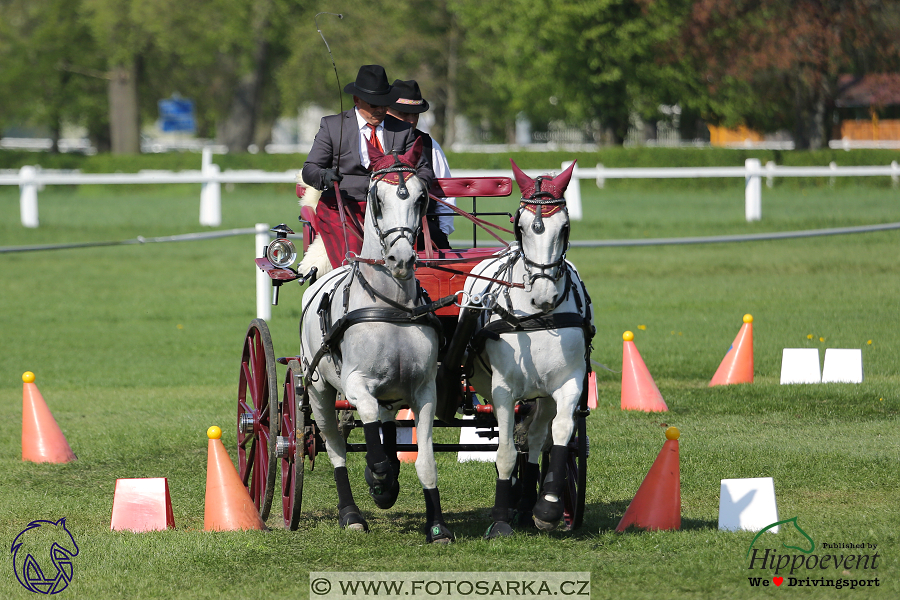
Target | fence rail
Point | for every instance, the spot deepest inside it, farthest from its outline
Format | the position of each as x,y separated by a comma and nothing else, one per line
31,179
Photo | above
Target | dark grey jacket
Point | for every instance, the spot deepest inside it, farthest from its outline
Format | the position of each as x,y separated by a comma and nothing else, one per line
398,135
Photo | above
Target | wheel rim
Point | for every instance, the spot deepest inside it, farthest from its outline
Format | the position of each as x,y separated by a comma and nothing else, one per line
257,413
293,460
576,477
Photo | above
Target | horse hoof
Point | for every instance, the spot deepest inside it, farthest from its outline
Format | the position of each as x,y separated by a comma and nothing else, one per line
439,534
352,520
384,489
544,525
548,511
498,529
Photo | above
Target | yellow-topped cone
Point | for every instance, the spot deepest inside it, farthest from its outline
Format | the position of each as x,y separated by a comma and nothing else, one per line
737,366
229,506
42,439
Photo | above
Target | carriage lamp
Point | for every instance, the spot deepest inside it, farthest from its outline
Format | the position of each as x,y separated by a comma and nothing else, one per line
281,253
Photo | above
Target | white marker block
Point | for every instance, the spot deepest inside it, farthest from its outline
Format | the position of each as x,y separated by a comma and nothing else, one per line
800,365
469,435
842,365
748,504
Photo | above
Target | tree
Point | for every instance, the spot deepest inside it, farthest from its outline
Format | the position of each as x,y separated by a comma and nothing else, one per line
52,71
776,63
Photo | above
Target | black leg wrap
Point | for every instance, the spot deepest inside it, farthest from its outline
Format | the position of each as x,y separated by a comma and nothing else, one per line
350,518
529,482
342,479
500,513
374,449
548,510
434,519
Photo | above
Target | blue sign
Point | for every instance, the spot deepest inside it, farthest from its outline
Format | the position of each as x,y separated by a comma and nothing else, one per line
177,115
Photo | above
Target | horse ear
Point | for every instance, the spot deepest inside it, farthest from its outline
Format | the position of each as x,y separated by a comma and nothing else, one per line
374,153
562,180
525,182
413,155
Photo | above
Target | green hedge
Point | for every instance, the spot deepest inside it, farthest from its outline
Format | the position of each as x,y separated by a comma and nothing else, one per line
609,157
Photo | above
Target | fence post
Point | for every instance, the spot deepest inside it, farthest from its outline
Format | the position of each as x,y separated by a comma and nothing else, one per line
210,192
601,180
28,196
895,174
263,283
770,177
753,190
573,193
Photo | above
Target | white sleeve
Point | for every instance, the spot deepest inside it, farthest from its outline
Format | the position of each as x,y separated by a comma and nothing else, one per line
442,169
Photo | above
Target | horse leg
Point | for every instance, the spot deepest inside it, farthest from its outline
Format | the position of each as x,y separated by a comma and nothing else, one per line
379,474
322,401
506,463
426,467
544,411
548,510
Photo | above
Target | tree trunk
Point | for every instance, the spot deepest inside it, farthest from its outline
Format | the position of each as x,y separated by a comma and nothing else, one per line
239,130
123,110
452,70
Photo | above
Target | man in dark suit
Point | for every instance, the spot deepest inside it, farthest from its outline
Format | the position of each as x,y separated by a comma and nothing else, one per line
339,155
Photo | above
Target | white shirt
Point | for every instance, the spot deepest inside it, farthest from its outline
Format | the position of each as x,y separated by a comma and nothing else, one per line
442,169
364,133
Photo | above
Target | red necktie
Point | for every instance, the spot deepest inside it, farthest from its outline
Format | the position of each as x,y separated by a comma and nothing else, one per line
374,138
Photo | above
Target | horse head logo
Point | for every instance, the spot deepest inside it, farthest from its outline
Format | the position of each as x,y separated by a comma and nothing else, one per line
42,556
812,544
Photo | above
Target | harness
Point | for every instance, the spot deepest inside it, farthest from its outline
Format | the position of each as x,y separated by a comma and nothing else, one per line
423,310
537,203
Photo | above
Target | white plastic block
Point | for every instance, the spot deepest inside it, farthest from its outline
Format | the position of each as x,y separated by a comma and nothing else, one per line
843,365
748,504
800,365
469,435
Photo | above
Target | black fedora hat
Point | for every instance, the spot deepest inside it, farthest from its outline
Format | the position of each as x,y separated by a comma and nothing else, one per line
372,86
409,98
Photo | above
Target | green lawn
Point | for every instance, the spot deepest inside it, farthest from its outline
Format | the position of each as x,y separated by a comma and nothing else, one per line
136,351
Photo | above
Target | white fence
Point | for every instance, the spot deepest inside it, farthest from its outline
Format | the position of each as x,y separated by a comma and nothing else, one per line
30,180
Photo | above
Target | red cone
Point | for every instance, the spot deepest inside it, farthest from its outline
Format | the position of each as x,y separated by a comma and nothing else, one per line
229,506
639,391
657,504
737,366
42,439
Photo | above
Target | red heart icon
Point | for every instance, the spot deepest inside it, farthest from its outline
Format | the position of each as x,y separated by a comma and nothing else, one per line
778,580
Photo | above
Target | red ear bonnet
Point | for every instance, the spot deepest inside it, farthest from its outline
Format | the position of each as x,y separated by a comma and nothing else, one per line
379,160
556,187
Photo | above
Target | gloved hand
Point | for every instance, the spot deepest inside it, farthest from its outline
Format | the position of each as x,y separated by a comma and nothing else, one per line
331,176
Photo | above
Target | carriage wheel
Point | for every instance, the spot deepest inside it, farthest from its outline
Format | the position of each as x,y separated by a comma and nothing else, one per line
292,453
576,476
257,413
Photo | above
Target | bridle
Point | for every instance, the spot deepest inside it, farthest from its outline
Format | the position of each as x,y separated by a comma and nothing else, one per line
400,169
554,271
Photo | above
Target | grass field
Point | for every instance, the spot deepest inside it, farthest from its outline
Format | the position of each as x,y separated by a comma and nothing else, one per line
136,351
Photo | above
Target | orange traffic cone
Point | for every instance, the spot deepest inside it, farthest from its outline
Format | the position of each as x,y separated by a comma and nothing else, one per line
406,435
737,366
42,439
639,391
229,506
657,504
142,505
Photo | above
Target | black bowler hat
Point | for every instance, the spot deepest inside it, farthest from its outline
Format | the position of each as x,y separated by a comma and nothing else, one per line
372,86
409,98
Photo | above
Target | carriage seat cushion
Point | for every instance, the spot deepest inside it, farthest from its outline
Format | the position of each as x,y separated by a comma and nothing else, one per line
471,187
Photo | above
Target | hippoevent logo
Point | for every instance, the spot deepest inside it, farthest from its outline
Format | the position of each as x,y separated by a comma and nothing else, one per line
42,556
809,568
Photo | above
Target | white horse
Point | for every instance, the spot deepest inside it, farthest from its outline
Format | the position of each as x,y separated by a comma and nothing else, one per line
362,335
534,344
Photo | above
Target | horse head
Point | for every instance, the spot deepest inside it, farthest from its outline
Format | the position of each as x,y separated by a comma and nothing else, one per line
397,201
542,231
